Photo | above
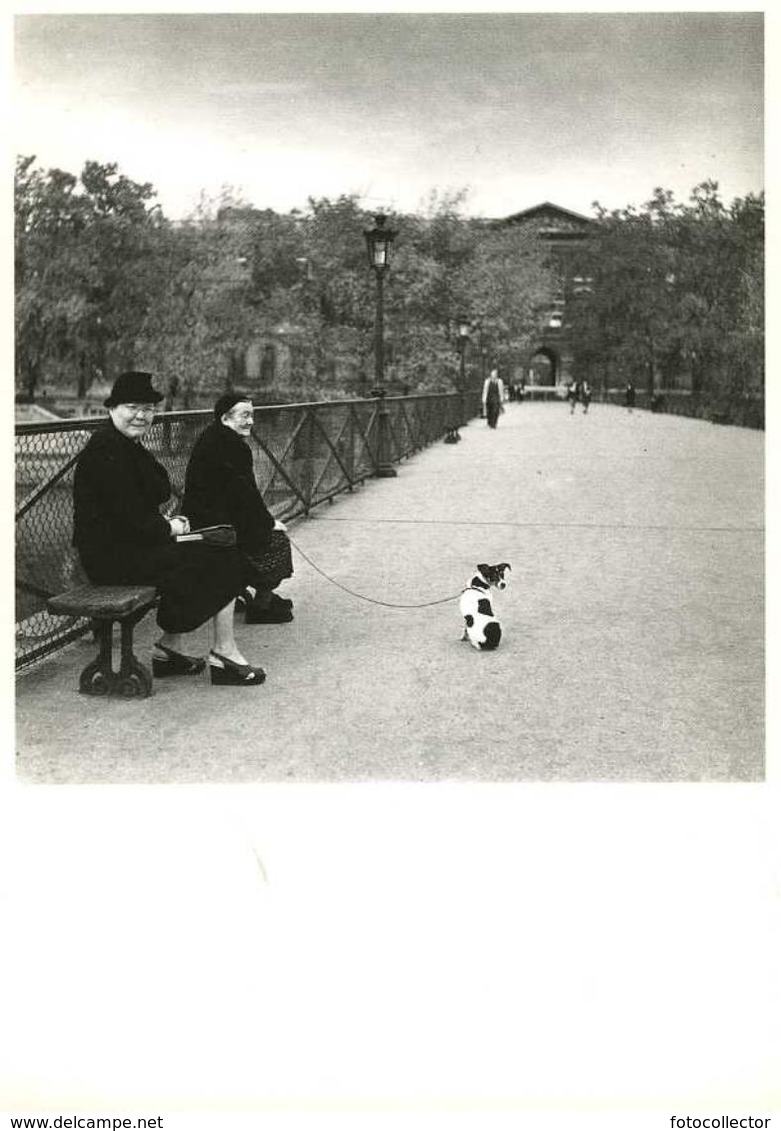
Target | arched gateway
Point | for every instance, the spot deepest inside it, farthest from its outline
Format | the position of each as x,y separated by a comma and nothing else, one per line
543,367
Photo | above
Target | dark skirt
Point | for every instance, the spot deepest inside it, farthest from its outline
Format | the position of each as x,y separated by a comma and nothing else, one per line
194,580
265,570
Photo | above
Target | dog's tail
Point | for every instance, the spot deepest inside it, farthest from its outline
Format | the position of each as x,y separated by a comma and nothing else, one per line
493,634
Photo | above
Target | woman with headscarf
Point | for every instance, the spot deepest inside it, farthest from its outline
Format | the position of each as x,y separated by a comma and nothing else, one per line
123,538
220,487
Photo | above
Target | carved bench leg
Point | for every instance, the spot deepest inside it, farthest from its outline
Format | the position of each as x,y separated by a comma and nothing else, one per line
98,676
134,677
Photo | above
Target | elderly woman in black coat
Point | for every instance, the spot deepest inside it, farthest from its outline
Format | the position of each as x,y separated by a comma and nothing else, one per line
123,538
220,487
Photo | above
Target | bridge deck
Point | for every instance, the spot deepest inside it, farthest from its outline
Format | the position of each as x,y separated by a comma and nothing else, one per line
633,647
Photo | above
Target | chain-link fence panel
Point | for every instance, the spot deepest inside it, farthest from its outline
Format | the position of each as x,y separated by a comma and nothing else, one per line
45,560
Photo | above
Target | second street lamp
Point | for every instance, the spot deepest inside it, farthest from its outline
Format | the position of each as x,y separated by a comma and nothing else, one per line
480,345
463,338
378,245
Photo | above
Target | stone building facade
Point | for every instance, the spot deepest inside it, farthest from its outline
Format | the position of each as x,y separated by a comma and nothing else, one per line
564,235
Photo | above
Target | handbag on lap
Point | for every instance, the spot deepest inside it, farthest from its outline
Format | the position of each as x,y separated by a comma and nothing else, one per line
212,535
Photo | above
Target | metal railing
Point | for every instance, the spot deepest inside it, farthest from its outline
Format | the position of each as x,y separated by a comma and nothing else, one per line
303,455
748,412
674,400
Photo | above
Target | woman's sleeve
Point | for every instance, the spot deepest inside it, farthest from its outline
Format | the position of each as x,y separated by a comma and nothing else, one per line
253,518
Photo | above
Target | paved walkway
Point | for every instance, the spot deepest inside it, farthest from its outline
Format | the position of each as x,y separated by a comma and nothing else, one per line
633,646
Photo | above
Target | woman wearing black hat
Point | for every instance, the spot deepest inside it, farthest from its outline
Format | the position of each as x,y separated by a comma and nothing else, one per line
123,539
220,487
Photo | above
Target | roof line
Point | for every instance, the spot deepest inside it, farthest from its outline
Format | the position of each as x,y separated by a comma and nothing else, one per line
548,204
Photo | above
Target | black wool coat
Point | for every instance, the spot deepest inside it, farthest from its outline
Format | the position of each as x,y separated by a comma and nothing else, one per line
123,539
220,487
118,490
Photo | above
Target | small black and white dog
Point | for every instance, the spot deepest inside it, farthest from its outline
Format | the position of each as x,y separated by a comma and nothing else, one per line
482,629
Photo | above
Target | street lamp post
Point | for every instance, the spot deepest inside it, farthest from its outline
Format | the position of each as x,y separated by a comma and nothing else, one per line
463,339
481,348
378,245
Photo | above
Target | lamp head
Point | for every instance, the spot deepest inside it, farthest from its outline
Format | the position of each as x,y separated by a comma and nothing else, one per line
378,243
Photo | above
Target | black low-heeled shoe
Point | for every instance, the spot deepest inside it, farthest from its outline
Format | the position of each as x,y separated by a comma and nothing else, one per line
227,673
247,600
176,663
275,613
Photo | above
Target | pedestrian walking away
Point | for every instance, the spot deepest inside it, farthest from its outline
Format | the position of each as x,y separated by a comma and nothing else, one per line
629,395
493,398
585,396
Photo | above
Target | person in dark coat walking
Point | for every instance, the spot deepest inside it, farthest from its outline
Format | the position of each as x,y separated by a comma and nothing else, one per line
122,538
629,395
220,487
493,398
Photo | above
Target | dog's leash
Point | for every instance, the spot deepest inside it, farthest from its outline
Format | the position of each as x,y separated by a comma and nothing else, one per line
360,596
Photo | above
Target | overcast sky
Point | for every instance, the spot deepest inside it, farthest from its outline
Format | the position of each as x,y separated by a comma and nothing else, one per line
516,107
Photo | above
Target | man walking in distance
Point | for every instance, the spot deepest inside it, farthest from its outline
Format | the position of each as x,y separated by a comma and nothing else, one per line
493,397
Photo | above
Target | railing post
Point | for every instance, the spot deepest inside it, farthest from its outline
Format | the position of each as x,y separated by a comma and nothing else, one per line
348,449
385,468
308,461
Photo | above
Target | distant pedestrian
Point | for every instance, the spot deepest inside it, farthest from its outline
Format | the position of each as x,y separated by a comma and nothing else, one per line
630,395
493,398
585,396
573,395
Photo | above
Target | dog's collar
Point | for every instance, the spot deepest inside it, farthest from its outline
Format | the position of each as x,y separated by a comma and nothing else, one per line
478,583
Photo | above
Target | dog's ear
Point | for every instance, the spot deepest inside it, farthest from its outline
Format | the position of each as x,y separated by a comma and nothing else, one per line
505,565
481,568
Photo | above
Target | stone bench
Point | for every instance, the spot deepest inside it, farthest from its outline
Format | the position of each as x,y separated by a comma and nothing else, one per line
104,605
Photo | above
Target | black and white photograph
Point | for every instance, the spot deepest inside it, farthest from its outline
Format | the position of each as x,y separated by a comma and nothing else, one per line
457,322
390,566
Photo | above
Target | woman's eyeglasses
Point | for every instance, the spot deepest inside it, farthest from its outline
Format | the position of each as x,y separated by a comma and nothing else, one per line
141,409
